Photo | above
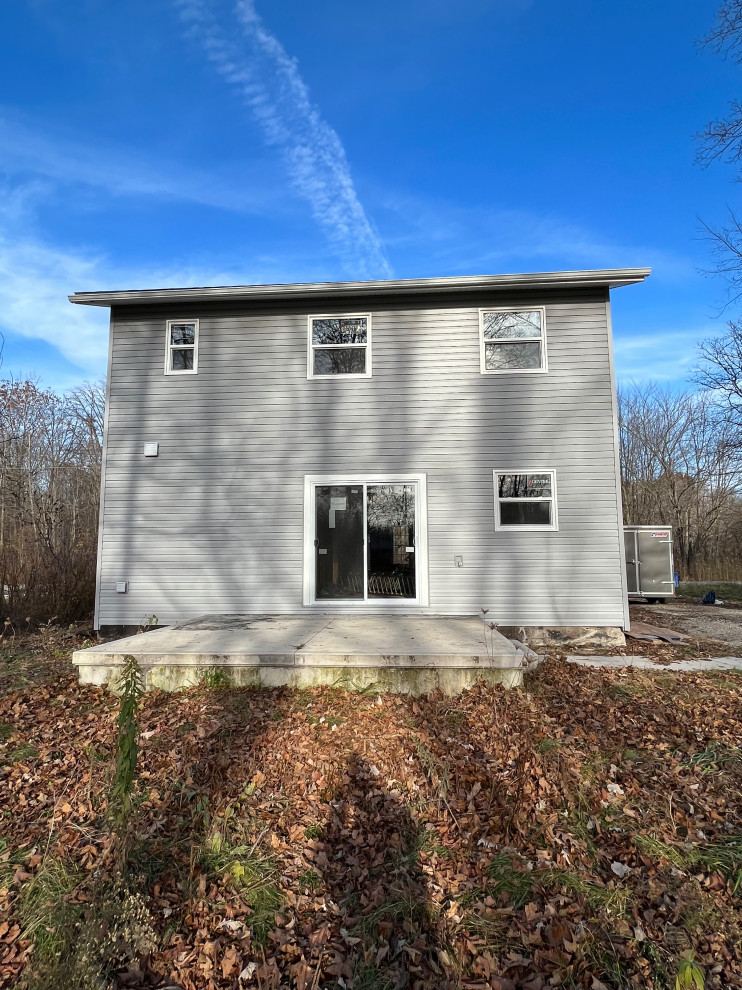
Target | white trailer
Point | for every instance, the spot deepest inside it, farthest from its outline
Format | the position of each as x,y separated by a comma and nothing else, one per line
649,564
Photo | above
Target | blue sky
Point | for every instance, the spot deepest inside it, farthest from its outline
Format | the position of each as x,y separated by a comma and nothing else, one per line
192,142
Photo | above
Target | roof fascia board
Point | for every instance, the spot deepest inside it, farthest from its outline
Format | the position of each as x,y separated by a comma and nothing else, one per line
605,278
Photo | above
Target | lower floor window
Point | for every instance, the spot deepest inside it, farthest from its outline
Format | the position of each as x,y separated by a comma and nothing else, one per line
525,500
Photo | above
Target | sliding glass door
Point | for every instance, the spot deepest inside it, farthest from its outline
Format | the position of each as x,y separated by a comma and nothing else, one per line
364,541
338,541
390,541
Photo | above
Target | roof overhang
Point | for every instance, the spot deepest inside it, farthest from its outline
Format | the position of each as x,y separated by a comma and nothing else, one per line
610,278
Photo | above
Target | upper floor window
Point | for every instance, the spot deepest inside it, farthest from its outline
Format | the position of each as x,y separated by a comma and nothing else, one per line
512,340
181,357
525,500
339,345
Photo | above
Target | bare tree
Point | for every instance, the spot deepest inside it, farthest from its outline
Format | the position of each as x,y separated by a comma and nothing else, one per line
680,466
721,140
50,450
721,373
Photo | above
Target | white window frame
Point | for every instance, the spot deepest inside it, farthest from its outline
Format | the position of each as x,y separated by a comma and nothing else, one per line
530,528
170,347
542,340
312,481
312,346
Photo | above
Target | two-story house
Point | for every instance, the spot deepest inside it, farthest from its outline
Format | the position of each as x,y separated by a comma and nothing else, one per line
424,446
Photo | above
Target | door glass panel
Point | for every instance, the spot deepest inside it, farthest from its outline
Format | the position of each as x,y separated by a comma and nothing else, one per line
391,541
339,541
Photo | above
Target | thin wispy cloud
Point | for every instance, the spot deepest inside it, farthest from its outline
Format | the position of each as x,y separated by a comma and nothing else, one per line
489,239
658,355
65,160
36,278
268,80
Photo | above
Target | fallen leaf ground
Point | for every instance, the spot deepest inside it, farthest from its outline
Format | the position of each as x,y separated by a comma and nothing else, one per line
582,832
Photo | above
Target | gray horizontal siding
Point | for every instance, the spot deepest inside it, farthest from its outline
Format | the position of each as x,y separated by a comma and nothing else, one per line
215,522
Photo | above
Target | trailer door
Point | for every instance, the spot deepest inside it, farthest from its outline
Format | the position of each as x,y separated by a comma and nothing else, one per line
655,562
632,564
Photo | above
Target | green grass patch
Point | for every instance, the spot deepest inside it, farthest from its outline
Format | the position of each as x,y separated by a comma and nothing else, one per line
215,678
10,860
609,900
368,976
453,718
435,770
491,929
594,767
634,755
6,731
46,915
404,903
658,964
597,951
724,590
724,856
623,692
724,680
23,754
252,875
715,757
80,946
310,881
507,882
547,745
580,823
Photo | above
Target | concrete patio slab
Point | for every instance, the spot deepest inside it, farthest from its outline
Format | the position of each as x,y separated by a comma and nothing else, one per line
410,654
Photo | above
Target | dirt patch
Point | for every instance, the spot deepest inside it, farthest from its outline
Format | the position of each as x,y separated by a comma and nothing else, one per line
708,622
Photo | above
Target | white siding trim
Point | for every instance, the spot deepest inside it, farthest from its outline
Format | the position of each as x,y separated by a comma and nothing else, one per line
310,346
513,371
421,540
102,502
617,455
554,527
169,348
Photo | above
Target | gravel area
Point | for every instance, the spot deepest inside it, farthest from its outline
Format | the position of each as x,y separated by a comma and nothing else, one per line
722,623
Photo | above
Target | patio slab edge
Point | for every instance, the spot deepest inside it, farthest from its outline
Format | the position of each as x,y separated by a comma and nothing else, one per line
216,672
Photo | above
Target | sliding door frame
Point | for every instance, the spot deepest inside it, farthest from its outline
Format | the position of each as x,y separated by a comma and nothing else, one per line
311,482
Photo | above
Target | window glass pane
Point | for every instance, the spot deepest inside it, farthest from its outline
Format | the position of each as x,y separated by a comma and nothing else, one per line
182,359
340,361
506,326
343,330
512,357
183,333
525,513
524,485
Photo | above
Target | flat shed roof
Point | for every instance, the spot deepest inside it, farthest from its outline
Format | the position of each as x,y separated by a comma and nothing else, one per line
610,278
